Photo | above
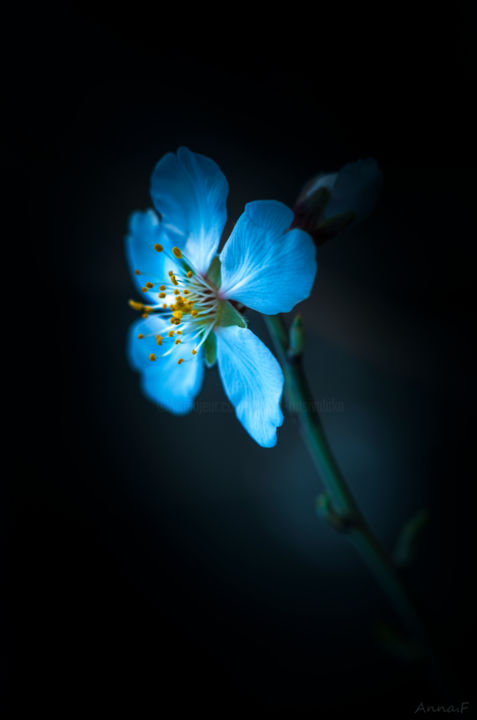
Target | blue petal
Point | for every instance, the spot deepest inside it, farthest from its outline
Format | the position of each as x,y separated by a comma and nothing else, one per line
170,385
265,266
355,188
145,230
190,193
253,382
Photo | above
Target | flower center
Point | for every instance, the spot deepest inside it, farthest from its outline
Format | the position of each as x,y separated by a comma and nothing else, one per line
188,302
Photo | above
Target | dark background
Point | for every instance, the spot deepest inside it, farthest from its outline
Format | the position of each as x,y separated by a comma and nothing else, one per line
162,565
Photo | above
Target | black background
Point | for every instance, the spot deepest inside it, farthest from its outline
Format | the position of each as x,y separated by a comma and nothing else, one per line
162,564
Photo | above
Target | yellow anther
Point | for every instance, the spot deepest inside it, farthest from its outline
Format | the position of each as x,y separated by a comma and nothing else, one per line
177,342
162,295
174,281
140,336
159,339
178,332
194,313
152,357
181,360
194,352
176,292
171,272
178,314
144,289
149,285
177,252
145,315
170,333
186,292
158,247
137,272
189,273
164,307
136,305
162,287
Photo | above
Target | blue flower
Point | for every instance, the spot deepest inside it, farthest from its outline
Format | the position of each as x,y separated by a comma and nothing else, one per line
194,297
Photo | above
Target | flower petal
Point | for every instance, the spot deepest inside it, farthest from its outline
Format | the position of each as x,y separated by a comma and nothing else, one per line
190,193
253,382
145,230
170,385
265,266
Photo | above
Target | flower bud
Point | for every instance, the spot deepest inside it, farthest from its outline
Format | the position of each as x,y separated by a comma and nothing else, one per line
329,203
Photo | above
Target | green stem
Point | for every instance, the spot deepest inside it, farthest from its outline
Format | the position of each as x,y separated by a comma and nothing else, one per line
343,504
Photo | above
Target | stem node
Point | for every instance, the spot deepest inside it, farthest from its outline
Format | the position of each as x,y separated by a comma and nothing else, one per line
337,505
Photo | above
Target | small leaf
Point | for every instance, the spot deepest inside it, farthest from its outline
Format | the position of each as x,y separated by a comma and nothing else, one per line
214,273
297,337
230,316
210,350
398,644
325,509
408,539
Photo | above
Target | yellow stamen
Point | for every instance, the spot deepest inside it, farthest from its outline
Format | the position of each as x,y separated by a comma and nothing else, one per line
140,336
181,360
149,285
138,272
158,247
186,292
144,289
170,333
177,252
194,313
176,292
162,295
159,339
152,357
164,307
194,352
177,342
178,314
189,274
162,287
136,305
